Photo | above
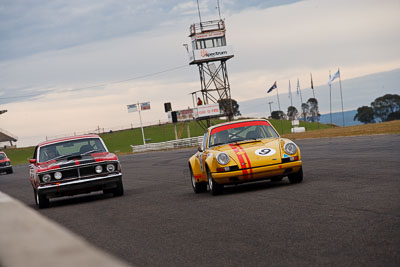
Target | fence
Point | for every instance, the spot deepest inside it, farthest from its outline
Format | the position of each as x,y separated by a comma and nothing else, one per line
180,143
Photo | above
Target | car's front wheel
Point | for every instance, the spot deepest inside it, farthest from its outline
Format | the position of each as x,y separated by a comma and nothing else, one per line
41,200
296,177
215,189
9,171
119,190
197,187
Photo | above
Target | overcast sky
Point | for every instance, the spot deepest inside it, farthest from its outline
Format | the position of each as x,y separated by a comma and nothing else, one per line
71,66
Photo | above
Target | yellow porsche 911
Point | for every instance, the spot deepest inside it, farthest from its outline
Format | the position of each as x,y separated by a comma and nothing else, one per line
243,151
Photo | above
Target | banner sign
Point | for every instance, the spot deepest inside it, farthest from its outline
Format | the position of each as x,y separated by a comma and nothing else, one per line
211,53
132,108
207,110
145,106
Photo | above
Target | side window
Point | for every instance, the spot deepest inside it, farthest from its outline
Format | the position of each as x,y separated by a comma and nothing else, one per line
209,43
35,153
205,141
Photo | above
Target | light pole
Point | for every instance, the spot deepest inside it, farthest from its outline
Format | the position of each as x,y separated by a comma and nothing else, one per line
270,110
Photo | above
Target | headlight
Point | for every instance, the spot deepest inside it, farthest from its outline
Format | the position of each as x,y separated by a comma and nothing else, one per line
46,178
98,169
7,163
58,175
290,148
110,167
223,158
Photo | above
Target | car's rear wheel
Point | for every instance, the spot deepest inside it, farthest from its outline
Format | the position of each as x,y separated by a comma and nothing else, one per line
119,191
197,187
41,200
215,189
296,177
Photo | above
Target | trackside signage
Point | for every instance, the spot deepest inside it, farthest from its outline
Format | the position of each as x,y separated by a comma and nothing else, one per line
207,110
211,53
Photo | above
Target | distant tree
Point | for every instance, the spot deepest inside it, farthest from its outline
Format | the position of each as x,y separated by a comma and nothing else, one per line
385,105
292,112
365,114
305,110
224,105
313,110
393,116
277,114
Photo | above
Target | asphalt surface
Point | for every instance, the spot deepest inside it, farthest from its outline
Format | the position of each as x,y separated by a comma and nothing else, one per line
346,212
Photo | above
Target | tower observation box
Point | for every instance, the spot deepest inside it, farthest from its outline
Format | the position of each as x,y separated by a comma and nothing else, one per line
208,42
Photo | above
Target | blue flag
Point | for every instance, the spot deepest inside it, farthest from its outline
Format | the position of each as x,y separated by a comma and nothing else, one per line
272,88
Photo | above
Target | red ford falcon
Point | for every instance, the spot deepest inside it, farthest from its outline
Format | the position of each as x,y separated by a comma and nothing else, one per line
74,165
5,163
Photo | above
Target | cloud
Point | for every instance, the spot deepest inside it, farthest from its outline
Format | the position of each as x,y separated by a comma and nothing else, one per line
60,67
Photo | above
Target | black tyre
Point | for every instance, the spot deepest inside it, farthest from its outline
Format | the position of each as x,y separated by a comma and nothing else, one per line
9,171
41,200
197,187
215,189
297,177
276,179
119,191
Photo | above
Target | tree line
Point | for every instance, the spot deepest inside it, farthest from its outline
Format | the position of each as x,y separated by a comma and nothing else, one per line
309,112
384,108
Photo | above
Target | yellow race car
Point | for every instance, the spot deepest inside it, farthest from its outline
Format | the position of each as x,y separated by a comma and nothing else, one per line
243,151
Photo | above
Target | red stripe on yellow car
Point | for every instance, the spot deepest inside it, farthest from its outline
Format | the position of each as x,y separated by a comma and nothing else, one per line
240,158
248,160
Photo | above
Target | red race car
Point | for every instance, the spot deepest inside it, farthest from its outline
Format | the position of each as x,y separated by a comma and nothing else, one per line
74,165
5,163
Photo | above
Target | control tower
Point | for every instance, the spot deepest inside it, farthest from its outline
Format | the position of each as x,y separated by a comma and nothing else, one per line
210,52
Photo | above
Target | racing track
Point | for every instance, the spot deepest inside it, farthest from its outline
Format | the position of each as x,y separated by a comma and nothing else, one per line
346,212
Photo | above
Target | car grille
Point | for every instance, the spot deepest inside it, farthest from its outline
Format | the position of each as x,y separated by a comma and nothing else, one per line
2,164
80,172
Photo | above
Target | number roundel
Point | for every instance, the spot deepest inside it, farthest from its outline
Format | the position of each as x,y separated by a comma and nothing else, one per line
264,152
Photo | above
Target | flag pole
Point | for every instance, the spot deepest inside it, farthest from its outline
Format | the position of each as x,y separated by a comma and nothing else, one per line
341,97
312,87
330,96
301,99
141,125
290,94
279,106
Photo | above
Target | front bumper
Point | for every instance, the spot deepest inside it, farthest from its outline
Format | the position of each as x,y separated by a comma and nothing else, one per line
80,186
258,173
5,168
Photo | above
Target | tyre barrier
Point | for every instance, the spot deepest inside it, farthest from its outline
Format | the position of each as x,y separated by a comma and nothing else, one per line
173,144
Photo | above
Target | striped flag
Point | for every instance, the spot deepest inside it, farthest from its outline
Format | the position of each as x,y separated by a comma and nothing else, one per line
312,84
298,86
336,75
272,88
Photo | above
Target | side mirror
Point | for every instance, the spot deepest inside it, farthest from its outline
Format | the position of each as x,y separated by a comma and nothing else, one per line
200,149
32,161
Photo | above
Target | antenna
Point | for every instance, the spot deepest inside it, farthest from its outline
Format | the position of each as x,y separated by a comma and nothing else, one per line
198,8
219,10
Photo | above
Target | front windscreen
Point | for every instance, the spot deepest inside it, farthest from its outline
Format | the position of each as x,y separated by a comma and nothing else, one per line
70,148
2,156
241,131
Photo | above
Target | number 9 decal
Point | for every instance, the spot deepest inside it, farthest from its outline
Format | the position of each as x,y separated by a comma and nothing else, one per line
264,152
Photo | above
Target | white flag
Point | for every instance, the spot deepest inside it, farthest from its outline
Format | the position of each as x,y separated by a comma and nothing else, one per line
132,108
331,79
298,86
